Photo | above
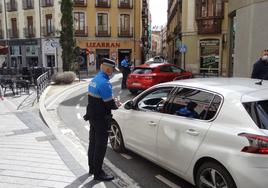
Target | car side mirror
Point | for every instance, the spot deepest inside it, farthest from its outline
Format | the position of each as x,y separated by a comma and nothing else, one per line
129,105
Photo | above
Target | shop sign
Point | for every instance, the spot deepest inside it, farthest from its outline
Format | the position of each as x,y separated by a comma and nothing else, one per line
209,55
103,44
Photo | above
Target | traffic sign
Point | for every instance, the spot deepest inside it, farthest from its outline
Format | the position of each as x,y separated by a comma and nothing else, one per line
183,48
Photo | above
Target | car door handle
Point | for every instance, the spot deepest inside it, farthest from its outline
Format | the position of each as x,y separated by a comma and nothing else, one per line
152,124
192,132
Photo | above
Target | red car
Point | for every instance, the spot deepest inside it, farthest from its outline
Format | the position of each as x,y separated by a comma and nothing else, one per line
145,76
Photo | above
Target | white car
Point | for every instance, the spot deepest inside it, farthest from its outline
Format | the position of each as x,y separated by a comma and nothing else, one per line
222,143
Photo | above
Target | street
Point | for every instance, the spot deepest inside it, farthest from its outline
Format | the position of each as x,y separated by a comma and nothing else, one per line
139,170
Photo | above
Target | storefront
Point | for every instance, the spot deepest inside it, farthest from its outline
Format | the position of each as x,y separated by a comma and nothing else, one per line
95,51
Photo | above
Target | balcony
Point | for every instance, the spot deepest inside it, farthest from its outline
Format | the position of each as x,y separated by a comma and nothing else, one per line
209,25
48,31
125,33
47,3
29,32
80,3
103,4
103,31
28,4
125,5
81,33
1,34
13,33
12,6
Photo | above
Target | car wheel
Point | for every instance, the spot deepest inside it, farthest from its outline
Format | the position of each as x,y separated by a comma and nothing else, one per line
133,91
210,175
116,138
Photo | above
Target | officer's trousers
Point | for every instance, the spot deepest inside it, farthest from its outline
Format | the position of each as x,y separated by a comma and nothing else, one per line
125,72
98,137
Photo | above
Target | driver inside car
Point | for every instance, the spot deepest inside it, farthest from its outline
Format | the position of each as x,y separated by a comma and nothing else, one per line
188,111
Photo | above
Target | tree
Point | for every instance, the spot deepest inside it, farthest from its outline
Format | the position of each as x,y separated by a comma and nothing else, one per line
67,35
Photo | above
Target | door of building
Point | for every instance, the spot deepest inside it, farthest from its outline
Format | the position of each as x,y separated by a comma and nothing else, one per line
100,54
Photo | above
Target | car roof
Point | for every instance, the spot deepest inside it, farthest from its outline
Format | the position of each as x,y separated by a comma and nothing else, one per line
154,65
226,86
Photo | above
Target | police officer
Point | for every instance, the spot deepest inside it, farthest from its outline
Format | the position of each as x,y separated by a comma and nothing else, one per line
100,104
260,68
125,68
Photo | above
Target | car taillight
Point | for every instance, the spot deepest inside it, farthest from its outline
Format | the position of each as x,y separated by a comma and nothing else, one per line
257,144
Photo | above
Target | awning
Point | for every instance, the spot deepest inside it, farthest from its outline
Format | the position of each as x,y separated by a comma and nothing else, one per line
3,50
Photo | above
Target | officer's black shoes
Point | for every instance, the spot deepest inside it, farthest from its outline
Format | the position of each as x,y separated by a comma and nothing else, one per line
90,172
103,177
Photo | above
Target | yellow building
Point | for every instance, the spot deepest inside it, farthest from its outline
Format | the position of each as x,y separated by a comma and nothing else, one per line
110,29
199,40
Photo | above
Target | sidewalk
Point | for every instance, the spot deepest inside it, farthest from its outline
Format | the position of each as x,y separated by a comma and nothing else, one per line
35,155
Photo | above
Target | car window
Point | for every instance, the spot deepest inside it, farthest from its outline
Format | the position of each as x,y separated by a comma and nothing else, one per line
142,71
154,100
165,69
192,103
258,111
175,69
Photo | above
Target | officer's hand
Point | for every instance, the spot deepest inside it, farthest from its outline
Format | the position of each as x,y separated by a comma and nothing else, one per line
85,117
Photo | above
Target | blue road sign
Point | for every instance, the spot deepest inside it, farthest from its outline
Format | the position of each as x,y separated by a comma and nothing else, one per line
183,48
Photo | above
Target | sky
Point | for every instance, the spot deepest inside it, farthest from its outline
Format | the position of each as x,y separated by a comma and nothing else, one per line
158,10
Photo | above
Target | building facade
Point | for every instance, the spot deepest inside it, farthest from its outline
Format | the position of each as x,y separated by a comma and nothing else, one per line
110,29
30,30
248,34
198,32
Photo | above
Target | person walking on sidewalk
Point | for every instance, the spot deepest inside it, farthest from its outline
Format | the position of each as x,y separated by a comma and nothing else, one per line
1,93
260,68
125,68
100,104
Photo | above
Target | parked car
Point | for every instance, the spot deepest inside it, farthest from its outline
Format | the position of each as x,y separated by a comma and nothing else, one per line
224,146
145,76
156,59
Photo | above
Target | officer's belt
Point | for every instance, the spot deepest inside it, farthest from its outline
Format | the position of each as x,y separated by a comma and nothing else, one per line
94,95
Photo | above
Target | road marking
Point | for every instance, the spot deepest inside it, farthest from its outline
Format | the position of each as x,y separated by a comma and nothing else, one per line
81,98
77,106
78,116
128,157
167,182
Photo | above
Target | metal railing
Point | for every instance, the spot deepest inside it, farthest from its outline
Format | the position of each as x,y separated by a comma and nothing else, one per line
42,82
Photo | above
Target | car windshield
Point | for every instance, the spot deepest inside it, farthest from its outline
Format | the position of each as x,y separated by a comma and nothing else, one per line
142,71
258,111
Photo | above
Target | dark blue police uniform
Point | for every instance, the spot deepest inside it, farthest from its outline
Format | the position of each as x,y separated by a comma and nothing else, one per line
100,104
125,68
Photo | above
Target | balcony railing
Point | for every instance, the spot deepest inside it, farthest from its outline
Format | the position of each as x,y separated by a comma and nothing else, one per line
29,32
12,6
103,31
81,33
79,3
1,34
209,25
47,3
28,4
125,33
103,4
13,33
125,5
48,31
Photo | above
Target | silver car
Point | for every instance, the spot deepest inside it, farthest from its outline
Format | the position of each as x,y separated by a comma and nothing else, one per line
212,132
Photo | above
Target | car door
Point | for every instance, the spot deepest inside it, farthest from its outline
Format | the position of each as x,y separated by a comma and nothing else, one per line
141,123
178,73
166,73
179,137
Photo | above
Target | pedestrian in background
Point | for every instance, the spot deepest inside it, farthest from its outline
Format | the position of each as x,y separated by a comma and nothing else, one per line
100,104
260,68
125,68
1,93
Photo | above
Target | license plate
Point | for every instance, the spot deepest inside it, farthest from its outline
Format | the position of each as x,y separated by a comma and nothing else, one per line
136,84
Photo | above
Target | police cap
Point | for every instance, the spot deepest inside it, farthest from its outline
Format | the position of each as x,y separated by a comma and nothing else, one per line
108,62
